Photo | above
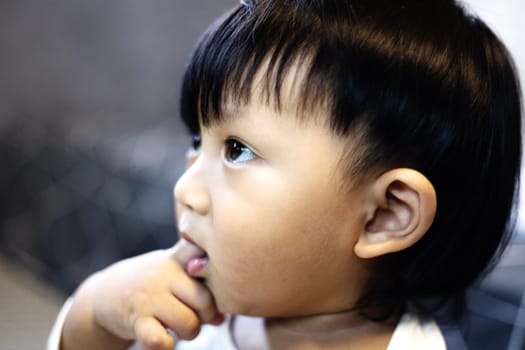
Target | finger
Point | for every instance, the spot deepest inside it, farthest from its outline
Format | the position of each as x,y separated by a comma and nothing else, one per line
178,317
152,334
197,297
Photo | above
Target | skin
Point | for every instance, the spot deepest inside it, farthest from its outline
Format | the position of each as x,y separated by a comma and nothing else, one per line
279,230
136,299
274,221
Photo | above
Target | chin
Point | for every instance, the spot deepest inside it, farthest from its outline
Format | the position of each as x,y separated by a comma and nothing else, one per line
228,304
242,301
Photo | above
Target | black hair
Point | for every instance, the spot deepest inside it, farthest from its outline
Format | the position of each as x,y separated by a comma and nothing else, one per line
432,86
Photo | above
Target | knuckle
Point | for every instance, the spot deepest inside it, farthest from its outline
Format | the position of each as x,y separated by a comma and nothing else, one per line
205,301
190,329
155,342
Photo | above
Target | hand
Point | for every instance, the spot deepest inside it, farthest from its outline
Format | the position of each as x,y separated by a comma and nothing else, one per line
138,298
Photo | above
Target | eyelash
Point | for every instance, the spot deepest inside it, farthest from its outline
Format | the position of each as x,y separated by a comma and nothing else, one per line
231,146
236,152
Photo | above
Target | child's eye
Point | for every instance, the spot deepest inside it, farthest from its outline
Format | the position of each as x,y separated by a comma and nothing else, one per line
195,142
236,152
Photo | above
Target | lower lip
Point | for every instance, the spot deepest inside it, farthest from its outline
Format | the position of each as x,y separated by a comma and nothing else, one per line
195,265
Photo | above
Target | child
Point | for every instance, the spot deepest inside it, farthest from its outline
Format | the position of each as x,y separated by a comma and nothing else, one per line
354,168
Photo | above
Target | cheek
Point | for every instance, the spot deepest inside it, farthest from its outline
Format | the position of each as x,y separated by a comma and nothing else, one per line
271,221
280,220
267,257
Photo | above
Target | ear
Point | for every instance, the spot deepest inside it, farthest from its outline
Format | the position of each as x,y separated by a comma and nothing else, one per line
403,206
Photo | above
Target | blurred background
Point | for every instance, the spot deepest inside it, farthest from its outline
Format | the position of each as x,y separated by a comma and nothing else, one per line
91,146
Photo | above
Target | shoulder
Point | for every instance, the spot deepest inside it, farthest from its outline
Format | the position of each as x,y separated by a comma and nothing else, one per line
415,331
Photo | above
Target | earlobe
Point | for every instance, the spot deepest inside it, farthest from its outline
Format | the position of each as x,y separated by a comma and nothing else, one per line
403,209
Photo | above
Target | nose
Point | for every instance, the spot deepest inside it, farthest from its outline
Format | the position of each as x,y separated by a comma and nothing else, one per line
190,190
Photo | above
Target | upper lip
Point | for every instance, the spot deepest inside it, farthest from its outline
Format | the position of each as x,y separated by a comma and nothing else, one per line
188,238
185,236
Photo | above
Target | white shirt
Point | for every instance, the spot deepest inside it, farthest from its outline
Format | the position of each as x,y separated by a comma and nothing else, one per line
413,332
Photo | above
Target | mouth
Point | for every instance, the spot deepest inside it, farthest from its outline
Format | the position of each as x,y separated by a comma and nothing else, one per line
188,238
196,264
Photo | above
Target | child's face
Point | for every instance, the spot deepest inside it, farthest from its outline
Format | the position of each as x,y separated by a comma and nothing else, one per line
264,199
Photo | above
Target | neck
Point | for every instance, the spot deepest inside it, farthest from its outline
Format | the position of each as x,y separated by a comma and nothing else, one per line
322,325
341,330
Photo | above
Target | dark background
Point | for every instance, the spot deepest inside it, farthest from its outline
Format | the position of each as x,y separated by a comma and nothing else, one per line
91,146
90,139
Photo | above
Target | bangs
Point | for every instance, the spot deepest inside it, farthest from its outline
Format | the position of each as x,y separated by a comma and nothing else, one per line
257,47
